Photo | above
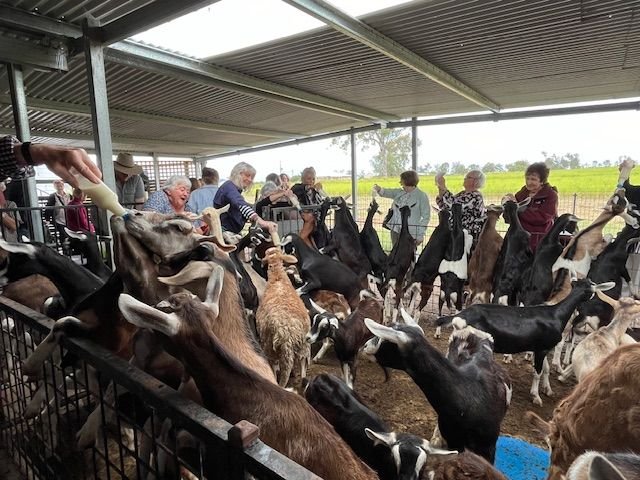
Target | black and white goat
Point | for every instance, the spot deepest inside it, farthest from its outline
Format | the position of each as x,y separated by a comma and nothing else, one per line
469,391
395,456
348,336
425,270
453,269
527,329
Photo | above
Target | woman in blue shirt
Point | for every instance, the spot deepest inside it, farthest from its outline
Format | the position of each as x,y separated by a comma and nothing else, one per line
240,211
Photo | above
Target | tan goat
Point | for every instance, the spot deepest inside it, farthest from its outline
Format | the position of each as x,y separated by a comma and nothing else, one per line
282,319
591,351
602,413
484,257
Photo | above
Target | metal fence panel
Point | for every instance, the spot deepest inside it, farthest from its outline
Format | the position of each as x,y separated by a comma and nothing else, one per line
139,441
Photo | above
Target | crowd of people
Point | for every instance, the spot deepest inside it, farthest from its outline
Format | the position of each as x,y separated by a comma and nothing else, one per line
189,196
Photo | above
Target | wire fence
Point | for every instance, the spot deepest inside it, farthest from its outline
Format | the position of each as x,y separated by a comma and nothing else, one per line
150,430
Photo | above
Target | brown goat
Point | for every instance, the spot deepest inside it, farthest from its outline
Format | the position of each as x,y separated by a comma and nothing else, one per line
282,320
602,413
484,257
465,466
333,302
287,422
31,291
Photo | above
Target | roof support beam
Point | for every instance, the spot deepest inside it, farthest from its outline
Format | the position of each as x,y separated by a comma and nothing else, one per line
178,66
363,33
15,17
20,52
132,144
85,111
147,17
455,119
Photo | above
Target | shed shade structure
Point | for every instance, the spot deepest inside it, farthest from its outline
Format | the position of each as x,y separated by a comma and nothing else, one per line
512,53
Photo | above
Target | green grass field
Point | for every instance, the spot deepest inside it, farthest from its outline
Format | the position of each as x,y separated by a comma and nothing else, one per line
583,192
584,180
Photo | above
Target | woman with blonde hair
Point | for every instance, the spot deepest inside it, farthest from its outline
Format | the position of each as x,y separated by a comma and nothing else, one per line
240,211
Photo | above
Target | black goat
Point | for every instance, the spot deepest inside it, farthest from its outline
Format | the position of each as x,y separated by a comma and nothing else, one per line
322,272
538,283
398,264
395,456
514,258
527,329
371,244
469,391
345,241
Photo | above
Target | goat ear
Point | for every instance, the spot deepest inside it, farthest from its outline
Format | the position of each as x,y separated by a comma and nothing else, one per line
143,316
426,446
607,299
224,209
408,319
603,469
291,259
603,287
192,271
214,287
386,333
25,248
381,438
524,204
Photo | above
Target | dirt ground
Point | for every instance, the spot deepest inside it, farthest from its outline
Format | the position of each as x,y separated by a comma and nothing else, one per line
403,405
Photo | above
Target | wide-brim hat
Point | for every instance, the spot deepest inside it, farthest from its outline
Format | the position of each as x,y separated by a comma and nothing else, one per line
125,164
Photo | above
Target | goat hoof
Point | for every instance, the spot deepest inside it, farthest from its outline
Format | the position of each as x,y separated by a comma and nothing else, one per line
548,392
537,401
562,379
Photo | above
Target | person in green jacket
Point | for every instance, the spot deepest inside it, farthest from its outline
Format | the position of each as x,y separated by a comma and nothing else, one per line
412,196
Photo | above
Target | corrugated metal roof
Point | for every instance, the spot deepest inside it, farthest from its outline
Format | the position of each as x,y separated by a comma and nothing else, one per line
517,53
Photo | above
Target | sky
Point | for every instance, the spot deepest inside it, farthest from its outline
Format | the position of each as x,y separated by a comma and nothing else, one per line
226,26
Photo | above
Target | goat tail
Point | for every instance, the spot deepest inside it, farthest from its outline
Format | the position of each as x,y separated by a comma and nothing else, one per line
444,321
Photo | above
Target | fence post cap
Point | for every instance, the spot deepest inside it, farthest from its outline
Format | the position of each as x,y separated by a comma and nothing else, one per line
243,434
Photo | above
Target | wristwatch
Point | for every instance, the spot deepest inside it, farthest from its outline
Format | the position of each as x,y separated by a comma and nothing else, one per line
26,153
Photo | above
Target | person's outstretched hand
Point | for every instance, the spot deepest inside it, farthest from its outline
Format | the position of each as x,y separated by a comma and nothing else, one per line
60,160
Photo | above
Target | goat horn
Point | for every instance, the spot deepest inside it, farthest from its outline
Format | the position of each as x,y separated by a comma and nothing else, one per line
607,299
317,307
632,241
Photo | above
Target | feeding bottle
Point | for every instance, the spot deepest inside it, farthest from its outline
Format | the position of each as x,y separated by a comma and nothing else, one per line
100,194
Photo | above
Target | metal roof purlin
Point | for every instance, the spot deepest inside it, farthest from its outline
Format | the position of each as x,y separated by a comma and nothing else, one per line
147,17
145,57
367,35
85,111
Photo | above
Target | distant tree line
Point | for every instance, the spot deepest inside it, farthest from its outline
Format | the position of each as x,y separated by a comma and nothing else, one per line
568,161
391,150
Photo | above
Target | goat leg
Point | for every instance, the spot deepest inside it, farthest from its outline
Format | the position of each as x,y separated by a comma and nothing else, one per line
537,373
326,343
546,386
